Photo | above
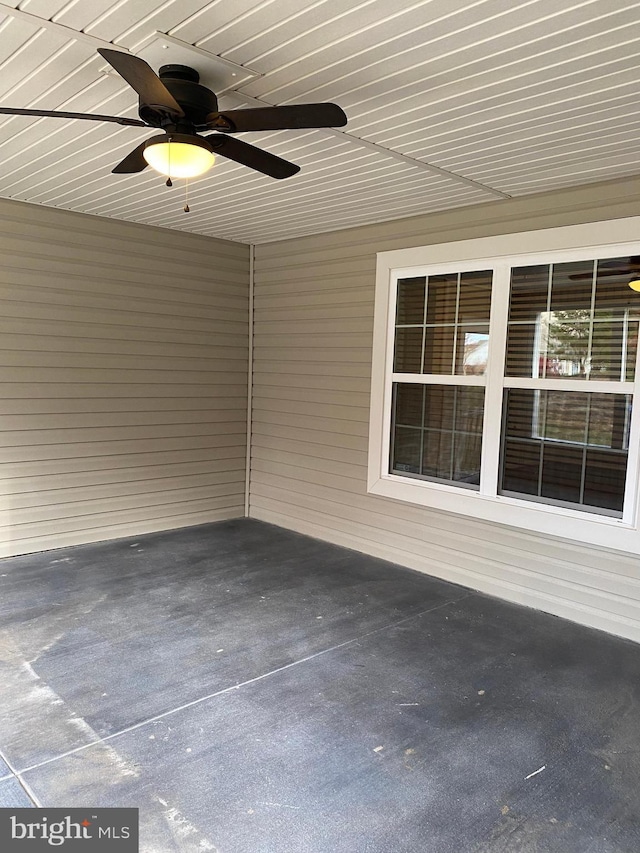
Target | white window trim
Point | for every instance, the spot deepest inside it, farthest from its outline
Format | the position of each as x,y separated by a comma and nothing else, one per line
611,238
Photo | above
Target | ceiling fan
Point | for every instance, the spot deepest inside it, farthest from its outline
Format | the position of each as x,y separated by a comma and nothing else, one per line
176,103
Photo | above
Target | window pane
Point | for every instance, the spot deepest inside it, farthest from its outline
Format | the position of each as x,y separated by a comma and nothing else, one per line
409,401
564,344
557,345
584,334
441,298
439,407
563,416
406,450
524,412
410,302
408,354
448,448
467,440
521,346
529,297
613,295
469,410
632,351
466,458
456,312
437,460
520,467
607,351
472,349
475,296
568,448
453,444
571,287
604,479
609,416
616,302
529,293
438,349
561,472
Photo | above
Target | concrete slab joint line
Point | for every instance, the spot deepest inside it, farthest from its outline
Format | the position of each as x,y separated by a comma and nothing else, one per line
14,775
235,687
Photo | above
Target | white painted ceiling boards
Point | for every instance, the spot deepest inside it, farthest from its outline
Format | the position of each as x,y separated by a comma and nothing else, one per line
450,102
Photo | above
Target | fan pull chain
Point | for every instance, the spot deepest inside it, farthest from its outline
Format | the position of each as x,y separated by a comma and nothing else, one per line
186,207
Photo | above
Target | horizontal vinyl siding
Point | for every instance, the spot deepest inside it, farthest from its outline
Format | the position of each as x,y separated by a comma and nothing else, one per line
123,365
313,330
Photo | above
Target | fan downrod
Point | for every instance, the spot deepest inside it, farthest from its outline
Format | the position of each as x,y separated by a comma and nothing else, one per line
179,72
196,100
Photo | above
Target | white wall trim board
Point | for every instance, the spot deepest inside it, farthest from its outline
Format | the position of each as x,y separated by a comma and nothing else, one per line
247,482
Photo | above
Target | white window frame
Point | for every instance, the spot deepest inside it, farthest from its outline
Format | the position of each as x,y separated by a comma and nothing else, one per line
613,238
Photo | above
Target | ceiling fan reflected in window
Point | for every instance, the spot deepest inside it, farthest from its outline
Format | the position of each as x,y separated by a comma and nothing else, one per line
634,281
175,102
617,267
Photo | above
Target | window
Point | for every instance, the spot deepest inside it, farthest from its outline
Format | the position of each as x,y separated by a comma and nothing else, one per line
503,383
441,333
576,321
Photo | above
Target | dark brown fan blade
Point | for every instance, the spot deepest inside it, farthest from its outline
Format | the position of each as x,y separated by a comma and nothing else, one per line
133,162
134,122
251,156
141,77
278,118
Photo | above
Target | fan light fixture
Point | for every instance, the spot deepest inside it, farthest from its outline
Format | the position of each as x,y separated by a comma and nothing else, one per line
634,283
179,155
180,107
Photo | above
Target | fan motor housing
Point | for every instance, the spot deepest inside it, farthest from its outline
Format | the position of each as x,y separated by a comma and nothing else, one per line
197,101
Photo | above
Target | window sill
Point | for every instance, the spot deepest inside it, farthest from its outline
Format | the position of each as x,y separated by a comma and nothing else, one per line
590,528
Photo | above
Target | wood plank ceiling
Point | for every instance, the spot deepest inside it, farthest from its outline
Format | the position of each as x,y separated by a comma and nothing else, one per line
450,102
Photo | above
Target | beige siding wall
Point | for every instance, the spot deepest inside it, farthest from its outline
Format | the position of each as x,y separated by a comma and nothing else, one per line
313,332
123,364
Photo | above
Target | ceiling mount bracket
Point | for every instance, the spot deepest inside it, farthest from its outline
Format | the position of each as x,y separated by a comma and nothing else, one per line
215,73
